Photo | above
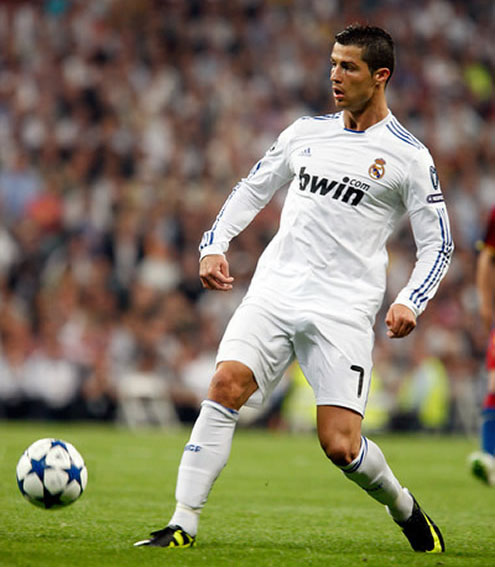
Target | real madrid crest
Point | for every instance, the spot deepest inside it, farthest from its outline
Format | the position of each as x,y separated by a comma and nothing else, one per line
377,169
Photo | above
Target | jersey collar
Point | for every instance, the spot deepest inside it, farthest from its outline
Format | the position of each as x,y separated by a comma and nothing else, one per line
371,128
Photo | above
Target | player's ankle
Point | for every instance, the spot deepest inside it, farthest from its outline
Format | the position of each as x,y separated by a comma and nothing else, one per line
402,508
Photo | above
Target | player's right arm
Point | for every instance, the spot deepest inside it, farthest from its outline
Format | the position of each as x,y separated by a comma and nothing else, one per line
247,198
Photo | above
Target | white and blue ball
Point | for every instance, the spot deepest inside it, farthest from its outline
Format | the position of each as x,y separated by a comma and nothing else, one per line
51,473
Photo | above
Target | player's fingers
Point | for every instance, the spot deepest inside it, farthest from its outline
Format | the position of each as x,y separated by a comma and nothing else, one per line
214,273
225,270
222,282
212,267
408,325
400,321
217,281
390,322
222,278
205,282
401,328
216,277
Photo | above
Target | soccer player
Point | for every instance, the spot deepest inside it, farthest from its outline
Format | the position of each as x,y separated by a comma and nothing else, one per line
320,282
483,462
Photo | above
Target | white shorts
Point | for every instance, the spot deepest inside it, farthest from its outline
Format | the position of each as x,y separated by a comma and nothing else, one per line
334,355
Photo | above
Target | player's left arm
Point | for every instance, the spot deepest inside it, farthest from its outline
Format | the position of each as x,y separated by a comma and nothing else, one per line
424,201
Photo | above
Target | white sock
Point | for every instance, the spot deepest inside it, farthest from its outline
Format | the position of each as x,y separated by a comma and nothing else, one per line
205,455
371,472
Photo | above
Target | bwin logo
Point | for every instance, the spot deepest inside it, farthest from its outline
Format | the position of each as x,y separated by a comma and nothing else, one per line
345,191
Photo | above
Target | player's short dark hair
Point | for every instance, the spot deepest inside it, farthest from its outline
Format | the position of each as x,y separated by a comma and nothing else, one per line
378,45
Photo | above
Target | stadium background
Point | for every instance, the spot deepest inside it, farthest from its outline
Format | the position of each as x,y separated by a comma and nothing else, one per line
123,127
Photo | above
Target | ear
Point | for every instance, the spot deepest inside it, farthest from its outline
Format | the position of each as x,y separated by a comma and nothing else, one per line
381,75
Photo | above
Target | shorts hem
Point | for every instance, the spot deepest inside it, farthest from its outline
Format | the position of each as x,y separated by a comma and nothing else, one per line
341,404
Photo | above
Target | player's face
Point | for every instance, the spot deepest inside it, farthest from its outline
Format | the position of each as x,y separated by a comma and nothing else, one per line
353,85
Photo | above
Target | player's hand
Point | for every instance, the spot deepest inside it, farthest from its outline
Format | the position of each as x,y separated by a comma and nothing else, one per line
214,273
400,321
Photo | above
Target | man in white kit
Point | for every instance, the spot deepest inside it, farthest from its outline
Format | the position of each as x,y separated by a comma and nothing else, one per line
320,282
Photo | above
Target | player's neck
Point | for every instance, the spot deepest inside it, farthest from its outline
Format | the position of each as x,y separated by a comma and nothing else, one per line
366,117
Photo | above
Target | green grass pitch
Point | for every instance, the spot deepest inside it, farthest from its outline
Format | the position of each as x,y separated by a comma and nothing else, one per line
279,502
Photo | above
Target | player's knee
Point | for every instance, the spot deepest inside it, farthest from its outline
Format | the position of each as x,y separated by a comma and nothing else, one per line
223,389
339,449
229,388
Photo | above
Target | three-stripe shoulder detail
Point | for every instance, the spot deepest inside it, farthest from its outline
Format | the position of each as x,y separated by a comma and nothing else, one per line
396,128
333,116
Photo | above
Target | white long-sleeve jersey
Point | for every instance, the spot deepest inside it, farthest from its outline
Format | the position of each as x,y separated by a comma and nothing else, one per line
348,189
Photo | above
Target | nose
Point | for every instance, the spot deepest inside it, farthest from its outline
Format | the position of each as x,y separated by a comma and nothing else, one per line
335,74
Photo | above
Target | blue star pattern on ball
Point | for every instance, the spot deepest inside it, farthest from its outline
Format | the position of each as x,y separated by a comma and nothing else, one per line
58,443
38,467
74,473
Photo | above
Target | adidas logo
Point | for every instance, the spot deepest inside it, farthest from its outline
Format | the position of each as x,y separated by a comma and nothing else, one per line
306,152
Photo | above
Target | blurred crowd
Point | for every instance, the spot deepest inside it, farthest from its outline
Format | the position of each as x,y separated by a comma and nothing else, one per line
123,127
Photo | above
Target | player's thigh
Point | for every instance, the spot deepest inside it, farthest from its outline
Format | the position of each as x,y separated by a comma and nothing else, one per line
259,337
336,360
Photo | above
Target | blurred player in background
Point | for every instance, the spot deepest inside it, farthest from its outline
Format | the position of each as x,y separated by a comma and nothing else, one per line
483,463
321,280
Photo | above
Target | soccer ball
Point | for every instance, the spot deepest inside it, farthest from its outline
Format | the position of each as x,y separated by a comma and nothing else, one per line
51,473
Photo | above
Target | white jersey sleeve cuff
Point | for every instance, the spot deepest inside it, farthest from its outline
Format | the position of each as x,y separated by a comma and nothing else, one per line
217,248
403,301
